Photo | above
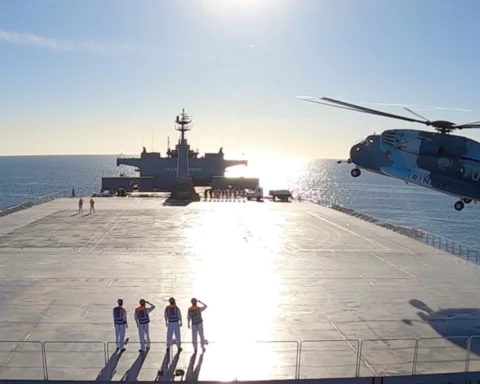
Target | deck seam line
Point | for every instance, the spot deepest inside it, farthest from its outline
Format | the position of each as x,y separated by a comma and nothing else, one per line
352,347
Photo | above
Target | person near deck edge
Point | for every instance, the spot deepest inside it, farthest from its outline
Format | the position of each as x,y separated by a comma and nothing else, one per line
173,322
120,322
143,319
195,316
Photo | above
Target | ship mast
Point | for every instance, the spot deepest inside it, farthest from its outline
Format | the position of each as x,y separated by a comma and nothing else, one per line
183,121
182,124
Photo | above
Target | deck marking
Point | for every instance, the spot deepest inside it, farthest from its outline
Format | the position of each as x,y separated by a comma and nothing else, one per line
88,242
352,347
103,238
393,265
86,313
348,230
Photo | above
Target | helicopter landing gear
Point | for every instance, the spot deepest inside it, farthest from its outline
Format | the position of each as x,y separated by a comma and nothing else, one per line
459,205
355,172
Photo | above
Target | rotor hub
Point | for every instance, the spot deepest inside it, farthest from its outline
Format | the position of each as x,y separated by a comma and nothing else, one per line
442,124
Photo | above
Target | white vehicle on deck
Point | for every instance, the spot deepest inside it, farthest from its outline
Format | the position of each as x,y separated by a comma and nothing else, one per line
255,194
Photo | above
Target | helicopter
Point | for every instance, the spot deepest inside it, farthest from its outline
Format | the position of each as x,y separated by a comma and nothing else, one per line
440,161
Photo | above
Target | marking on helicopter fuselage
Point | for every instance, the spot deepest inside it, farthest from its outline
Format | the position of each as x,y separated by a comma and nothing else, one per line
348,230
419,179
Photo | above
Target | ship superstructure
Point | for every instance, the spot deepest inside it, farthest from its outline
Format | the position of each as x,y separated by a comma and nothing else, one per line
159,173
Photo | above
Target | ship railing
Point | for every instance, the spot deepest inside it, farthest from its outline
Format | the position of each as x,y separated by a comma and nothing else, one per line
52,196
442,243
31,203
240,360
450,246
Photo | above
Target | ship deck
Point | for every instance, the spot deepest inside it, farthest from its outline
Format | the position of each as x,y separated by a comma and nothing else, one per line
282,272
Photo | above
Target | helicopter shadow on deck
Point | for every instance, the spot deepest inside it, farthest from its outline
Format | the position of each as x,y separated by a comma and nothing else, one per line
453,323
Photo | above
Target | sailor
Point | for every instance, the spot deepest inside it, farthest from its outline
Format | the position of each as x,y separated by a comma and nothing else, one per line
92,205
173,322
120,322
143,319
195,316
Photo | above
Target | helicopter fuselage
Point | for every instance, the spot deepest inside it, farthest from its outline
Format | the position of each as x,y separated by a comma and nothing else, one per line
446,163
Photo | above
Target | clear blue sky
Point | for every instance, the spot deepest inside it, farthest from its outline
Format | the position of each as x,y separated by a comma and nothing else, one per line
94,76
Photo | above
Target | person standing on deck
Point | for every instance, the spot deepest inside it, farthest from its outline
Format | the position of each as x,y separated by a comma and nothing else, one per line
92,205
120,322
80,205
143,319
195,316
173,322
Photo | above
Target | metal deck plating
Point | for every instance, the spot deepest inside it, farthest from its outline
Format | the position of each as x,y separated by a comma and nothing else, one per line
323,281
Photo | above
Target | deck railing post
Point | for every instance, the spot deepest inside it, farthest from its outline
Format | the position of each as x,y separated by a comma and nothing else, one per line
415,354
359,358
297,365
45,365
467,359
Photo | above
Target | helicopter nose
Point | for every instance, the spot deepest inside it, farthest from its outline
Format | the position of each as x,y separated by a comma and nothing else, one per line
354,152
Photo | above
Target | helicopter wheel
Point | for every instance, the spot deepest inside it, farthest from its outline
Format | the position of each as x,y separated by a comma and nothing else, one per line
355,172
459,205
467,201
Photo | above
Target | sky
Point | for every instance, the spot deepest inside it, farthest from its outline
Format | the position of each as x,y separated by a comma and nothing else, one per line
106,77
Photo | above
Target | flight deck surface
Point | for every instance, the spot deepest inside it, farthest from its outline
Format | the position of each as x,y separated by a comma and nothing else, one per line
282,272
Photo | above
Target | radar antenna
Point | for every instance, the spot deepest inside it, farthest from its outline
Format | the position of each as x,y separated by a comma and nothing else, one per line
183,122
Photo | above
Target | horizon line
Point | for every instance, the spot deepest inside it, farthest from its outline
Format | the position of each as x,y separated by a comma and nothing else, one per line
126,154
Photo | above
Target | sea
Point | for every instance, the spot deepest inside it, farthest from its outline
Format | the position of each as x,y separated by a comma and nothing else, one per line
25,178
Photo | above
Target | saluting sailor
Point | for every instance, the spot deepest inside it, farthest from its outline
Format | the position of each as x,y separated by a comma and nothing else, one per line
195,316
120,322
143,319
173,322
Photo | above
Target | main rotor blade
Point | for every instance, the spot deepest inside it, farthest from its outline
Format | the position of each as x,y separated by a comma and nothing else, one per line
316,100
453,109
373,111
415,113
475,124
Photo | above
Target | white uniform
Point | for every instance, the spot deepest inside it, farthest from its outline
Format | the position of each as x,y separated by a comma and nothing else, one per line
120,322
173,318
195,315
143,320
